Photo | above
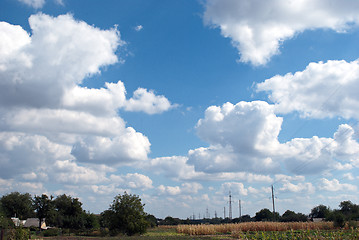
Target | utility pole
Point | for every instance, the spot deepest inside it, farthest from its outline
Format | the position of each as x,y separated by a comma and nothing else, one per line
224,212
230,205
240,209
273,202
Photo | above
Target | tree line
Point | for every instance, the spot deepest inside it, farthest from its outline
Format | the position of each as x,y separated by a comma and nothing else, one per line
347,212
126,213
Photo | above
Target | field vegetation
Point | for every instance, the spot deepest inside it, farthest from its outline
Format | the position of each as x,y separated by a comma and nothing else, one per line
273,230
126,219
252,227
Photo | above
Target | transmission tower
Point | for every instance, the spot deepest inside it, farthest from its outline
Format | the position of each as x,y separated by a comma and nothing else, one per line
230,205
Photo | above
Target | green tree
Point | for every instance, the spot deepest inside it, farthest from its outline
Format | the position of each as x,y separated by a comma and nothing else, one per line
170,221
290,216
42,205
17,204
264,215
152,220
5,222
106,218
338,218
91,221
349,210
69,212
126,215
245,218
319,211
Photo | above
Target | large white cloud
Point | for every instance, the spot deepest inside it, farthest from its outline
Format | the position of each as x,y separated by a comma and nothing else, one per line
107,101
44,70
13,41
54,129
242,138
243,145
56,57
23,153
321,90
100,102
257,28
123,149
71,173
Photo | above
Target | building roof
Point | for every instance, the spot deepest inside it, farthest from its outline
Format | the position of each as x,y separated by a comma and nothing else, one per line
34,222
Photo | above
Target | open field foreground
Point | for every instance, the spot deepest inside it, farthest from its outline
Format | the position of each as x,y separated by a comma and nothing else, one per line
252,227
262,230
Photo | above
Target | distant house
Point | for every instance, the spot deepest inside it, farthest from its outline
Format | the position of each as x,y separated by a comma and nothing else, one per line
34,222
318,219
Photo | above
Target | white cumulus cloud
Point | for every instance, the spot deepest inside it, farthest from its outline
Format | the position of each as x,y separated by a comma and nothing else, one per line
320,90
257,28
334,185
132,181
148,102
52,128
241,137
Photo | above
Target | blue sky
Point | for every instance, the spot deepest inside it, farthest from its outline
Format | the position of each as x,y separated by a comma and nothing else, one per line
181,102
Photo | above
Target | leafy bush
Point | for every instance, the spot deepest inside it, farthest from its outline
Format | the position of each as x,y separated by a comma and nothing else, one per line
5,223
104,232
19,234
51,232
339,220
352,224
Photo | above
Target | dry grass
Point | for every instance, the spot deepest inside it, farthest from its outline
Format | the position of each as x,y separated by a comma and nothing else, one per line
251,226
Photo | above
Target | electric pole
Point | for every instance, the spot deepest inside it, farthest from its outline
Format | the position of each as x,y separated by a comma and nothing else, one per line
240,209
273,202
224,212
230,205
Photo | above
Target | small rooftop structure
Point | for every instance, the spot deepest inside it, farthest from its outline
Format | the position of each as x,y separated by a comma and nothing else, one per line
16,221
34,222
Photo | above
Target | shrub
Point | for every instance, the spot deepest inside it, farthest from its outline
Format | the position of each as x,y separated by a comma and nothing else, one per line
51,232
339,220
104,232
352,224
19,234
